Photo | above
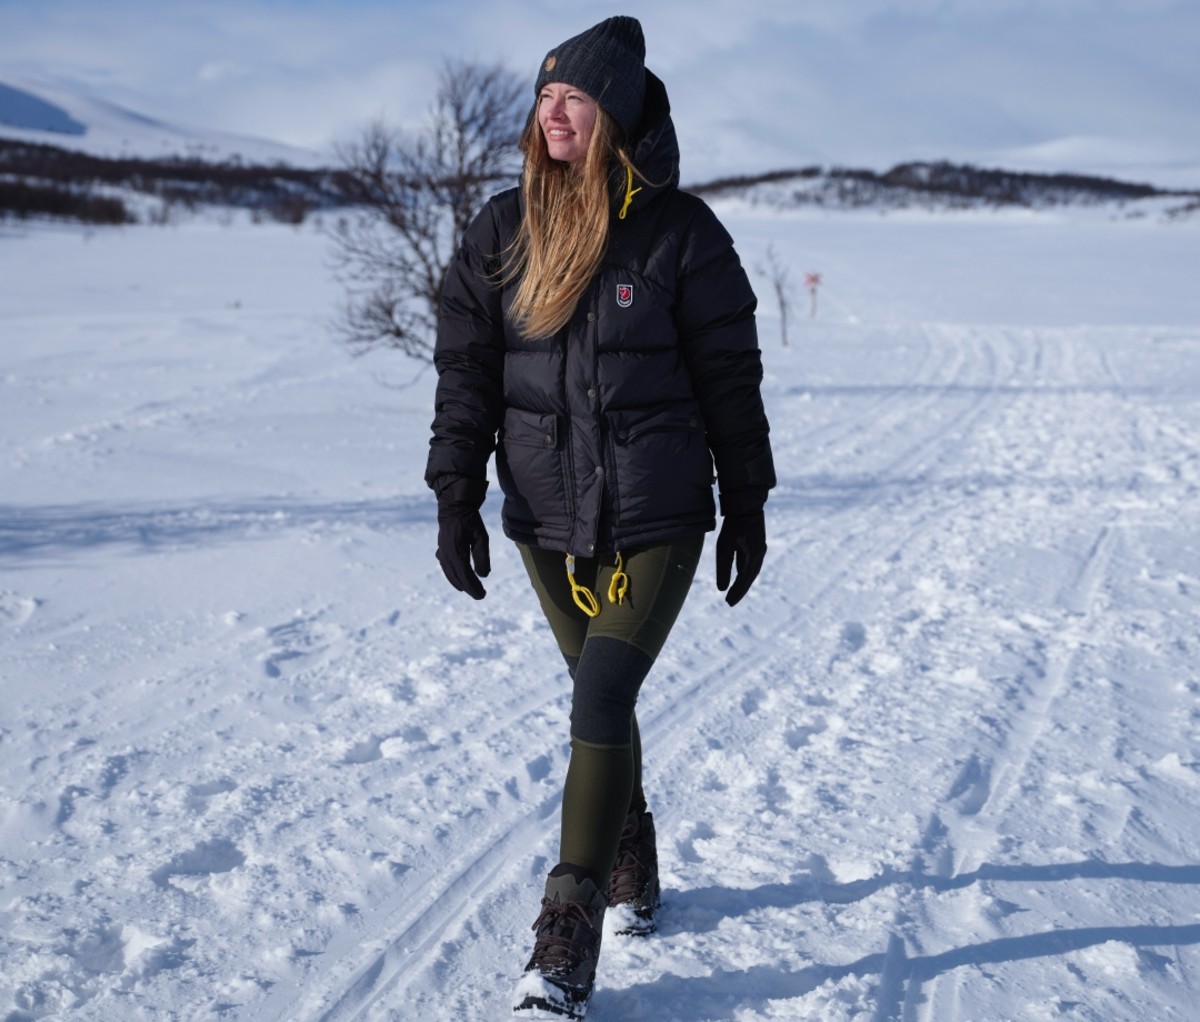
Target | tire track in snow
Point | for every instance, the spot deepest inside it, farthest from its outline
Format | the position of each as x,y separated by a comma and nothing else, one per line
736,678
985,783
857,547
411,945
963,829
412,942
409,949
381,973
953,361
469,868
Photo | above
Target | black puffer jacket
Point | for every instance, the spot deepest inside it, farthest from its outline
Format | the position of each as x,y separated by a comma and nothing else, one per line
608,433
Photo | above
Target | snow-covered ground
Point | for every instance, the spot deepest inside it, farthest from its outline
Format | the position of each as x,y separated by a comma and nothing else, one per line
258,761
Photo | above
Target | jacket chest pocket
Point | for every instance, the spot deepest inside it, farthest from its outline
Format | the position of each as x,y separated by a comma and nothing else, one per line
529,429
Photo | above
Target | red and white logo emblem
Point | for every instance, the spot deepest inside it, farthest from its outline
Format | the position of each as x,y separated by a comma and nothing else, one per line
624,295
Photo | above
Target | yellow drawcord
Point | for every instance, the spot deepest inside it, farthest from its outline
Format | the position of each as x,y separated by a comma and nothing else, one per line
630,192
619,585
584,599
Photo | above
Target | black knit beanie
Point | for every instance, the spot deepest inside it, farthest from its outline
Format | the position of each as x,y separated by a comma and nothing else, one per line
608,62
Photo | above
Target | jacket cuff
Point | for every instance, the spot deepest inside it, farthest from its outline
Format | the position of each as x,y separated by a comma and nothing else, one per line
743,502
460,493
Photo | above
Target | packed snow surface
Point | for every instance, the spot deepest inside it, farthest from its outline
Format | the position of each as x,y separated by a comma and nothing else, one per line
258,761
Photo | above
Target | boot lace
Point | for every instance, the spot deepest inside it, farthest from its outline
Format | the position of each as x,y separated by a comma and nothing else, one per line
555,951
629,876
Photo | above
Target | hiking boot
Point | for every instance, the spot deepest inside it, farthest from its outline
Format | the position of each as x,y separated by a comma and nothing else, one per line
633,889
562,970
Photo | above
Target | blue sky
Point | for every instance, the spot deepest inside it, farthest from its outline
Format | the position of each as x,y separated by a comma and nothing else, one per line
770,84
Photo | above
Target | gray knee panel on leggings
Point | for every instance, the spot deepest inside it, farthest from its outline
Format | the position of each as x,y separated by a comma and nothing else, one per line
607,680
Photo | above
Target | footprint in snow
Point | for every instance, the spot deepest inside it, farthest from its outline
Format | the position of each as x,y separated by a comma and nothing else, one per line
200,794
686,847
16,610
752,701
853,637
367,751
799,736
217,856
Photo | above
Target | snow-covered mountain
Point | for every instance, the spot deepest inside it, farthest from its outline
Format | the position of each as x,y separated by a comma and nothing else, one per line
39,111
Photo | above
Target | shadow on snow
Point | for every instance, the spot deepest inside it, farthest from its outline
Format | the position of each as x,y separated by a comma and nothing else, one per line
31,531
703,909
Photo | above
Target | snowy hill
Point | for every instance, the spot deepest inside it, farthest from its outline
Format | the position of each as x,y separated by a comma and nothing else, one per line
38,111
946,186
43,180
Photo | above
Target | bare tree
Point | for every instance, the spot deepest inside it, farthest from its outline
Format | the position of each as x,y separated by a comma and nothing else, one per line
777,272
415,196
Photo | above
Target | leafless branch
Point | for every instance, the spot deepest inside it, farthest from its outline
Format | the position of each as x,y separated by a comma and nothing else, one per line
415,196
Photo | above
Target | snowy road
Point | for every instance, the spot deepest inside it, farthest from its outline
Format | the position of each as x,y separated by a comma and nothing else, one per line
258,761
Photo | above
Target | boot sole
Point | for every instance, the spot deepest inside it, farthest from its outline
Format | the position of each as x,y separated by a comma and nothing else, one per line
543,998
640,925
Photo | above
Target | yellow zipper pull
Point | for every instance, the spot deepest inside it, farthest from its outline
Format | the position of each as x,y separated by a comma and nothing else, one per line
619,585
584,599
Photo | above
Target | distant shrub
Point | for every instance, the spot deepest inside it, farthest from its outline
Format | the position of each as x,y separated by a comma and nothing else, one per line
283,193
22,199
741,181
291,209
939,185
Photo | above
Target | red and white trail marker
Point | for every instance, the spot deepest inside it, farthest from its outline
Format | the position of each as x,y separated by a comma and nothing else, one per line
812,280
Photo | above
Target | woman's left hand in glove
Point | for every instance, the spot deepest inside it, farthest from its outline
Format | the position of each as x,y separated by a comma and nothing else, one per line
741,541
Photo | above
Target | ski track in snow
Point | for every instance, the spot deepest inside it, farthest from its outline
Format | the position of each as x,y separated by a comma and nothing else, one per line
260,762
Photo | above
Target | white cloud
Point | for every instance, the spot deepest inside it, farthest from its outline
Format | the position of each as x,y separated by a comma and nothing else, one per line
221,70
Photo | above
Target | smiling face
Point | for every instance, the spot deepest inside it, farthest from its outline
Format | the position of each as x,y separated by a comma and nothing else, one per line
567,117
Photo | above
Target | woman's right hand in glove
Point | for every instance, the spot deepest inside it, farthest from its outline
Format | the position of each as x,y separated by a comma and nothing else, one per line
463,551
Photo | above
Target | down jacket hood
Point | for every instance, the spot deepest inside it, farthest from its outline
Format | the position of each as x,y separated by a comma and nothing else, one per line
653,149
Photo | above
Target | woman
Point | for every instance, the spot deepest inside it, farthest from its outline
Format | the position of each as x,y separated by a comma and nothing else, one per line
597,332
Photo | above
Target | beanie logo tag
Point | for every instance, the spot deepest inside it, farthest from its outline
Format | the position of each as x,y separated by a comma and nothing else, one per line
550,62
624,295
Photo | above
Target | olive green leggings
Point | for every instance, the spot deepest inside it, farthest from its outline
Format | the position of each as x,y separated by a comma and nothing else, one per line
608,656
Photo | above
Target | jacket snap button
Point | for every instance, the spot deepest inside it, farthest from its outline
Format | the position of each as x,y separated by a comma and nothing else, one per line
599,470
591,391
549,439
591,317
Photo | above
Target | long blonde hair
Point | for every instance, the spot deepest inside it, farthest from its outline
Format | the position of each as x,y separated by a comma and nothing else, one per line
564,231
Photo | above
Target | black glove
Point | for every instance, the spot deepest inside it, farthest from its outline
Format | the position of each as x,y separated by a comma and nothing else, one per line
462,539
743,538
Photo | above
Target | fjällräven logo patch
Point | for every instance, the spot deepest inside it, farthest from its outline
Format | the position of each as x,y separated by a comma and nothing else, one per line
624,295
